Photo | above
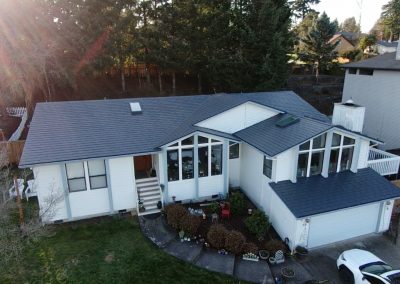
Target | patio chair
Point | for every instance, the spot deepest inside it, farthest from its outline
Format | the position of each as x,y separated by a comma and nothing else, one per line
30,190
13,191
226,211
278,258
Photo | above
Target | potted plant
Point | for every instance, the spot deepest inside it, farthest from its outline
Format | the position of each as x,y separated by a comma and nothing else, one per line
250,256
301,252
264,254
287,273
141,206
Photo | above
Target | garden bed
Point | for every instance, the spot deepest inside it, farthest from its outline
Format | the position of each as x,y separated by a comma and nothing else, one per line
235,222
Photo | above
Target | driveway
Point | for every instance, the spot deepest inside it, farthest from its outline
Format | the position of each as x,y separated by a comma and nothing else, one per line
321,262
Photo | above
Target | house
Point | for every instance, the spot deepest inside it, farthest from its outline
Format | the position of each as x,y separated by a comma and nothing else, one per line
310,176
374,83
345,41
383,47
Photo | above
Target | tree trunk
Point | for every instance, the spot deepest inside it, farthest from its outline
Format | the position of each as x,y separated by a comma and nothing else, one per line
123,85
160,82
199,86
148,79
173,83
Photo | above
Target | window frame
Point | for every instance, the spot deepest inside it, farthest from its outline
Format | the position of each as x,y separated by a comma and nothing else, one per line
75,178
91,176
268,167
310,151
341,147
234,144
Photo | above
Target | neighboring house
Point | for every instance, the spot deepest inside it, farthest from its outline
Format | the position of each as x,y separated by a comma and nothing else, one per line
311,177
383,47
374,83
345,41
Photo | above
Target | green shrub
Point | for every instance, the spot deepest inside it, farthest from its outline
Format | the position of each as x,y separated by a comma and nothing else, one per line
258,224
175,212
216,236
234,241
214,207
249,247
238,204
190,224
273,246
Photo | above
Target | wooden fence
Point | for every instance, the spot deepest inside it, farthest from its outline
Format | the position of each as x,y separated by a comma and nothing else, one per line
14,150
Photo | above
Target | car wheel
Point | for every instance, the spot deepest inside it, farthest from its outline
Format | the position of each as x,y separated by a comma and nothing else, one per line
346,275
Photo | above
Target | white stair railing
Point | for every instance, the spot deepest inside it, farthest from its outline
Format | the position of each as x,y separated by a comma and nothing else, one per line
383,162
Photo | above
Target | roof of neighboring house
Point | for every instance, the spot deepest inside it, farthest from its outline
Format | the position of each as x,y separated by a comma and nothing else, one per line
316,195
387,43
385,61
339,35
65,131
272,139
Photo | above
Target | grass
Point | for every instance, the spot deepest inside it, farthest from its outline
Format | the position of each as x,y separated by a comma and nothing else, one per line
108,250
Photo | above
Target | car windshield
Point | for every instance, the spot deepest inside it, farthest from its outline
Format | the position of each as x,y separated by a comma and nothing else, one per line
394,278
376,268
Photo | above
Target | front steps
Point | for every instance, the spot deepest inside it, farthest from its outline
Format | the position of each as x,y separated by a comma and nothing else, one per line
149,193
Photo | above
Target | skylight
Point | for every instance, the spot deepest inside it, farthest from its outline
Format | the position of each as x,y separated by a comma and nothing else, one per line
287,120
135,108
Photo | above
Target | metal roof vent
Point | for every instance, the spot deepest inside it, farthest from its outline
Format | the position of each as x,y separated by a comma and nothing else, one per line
135,108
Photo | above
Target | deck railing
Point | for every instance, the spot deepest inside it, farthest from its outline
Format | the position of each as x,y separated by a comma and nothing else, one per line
383,162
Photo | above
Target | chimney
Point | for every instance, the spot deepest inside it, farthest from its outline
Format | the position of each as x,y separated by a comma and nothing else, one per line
398,50
349,115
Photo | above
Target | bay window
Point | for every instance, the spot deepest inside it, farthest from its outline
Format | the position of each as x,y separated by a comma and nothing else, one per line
311,157
342,151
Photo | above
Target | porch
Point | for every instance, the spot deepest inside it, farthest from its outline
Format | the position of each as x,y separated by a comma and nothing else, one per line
382,162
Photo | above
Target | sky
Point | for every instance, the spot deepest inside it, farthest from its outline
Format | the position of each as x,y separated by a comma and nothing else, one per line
342,9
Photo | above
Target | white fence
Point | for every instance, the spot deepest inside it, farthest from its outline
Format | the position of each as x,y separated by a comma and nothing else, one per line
383,162
17,133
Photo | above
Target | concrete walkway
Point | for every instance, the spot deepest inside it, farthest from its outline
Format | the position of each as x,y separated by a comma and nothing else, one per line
154,227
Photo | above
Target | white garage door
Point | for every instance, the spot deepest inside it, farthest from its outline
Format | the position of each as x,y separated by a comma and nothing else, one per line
343,224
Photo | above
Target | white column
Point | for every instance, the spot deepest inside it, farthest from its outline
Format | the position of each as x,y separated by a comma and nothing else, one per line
327,154
295,165
196,164
356,156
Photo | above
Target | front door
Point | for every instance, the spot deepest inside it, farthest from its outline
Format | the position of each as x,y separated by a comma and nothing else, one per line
143,165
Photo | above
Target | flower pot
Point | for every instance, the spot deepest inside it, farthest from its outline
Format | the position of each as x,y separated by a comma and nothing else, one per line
287,273
263,254
301,252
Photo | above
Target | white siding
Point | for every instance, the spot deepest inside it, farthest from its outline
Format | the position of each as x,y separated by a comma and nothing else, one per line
182,189
238,118
49,185
364,153
89,203
284,164
234,170
122,183
211,185
380,94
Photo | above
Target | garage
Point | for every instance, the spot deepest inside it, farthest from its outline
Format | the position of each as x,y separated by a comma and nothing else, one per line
343,224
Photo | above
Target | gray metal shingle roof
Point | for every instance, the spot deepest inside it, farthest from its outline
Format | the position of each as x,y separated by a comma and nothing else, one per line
316,195
385,61
271,139
64,131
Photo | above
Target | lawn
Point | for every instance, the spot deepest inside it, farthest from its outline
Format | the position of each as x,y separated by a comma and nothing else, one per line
107,250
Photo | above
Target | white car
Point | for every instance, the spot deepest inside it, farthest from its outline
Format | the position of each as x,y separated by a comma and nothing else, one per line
362,267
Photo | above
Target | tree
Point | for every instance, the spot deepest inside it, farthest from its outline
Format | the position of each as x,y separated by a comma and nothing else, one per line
391,17
350,25
380,30
367,41
316,49
302,7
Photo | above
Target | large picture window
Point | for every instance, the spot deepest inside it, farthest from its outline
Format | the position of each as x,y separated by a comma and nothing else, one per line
203,161
173,165
187,163
76,176
341,153
97,174
267,167
311,157
216,160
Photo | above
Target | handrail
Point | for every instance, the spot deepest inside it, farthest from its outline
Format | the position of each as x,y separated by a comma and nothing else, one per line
383,162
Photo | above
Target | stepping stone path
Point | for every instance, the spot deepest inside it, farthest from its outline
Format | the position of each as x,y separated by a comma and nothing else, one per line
154,228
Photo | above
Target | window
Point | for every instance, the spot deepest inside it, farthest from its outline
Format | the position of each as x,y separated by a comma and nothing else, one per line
76,176
311,157
216,160
173,165
187,163
97,174
341,153
353,71
372,279
233,150
180,158
267,167
203,161
368,72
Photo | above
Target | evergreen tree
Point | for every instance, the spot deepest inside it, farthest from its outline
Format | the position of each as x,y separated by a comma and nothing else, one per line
350,25
302,7
317,49
391,17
